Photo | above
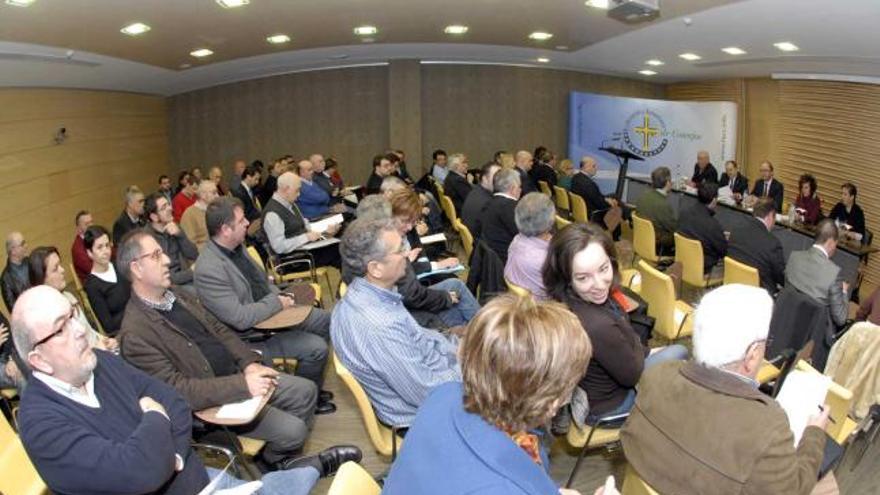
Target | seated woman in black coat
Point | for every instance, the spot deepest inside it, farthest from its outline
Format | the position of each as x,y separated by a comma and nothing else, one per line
581,271
108,292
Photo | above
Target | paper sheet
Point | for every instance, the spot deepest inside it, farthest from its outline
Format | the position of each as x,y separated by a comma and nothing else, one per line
321,226
455,269
319,243
430,239
240,410
800,397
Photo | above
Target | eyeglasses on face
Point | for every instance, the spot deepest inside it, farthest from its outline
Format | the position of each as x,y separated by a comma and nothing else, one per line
154,255
73,314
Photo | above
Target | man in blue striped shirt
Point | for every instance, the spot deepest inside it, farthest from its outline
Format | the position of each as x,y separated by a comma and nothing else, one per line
395,360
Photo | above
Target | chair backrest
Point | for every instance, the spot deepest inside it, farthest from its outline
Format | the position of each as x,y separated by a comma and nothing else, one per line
644,239
633,484
439,187
561,222
545,188
352,479
562,198
740,273
658,291
17,474
343,288
255,255
467,239
838,398
379,434
578,208
516,289
448,208
690,253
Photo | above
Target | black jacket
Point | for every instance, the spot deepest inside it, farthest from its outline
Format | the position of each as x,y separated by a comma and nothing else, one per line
12,286
585,187
699,223
544,172
472,209
752,244
526,182
374,184
251,212
124,225
457,188
776,192
486,273
740,185
499,225
798,319
710,174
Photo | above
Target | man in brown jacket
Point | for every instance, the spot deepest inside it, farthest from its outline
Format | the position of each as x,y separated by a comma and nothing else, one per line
173,338
703,427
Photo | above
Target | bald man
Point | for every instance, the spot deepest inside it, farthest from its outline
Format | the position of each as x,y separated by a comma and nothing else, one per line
14,279
314,202
523,163
704,171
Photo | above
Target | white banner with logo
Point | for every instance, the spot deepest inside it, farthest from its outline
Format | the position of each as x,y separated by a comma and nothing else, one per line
664,133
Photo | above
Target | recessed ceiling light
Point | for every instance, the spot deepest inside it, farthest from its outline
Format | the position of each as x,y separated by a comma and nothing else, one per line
135,29
277,39
732,50
20,3
786,46
456,29
365,30
655,62
647,72
544,60
201,52
540,36
231,4
597,4
690,56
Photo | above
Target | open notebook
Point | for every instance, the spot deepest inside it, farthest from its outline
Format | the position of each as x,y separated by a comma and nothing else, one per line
800,397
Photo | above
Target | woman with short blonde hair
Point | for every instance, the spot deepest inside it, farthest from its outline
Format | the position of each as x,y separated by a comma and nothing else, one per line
520,362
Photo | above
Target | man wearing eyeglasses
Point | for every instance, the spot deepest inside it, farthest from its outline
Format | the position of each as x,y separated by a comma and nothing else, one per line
180,250
93,424
170,336
725,435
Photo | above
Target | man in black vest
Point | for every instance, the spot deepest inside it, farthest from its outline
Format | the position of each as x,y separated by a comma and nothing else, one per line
287,230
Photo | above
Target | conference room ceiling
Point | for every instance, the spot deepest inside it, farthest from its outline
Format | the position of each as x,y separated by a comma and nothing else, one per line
77,43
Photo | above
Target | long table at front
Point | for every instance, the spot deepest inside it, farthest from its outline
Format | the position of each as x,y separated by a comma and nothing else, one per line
793,237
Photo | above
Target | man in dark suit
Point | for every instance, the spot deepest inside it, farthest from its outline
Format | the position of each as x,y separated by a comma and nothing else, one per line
752,243
478,198
813,273
499,221
738,183
703,170
14,279
456,185
583,185
132,216
244,191
523,163
767,187
699,223
542,170
382,167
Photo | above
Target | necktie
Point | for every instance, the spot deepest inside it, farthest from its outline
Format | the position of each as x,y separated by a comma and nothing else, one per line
766,188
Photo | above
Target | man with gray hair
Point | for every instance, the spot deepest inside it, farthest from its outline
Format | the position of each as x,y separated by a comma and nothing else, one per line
535,216
374,207
396,360
14,279
725,435
456,185
132,214
499,222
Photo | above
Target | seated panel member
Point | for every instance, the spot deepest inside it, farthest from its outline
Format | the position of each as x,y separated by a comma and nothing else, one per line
519,361
813,273
456,185
498,221
847,212
738,183
93,424
704,171
699,223
237,292
768,187
170,336
725,436
653,205
808,203
394,359
753,243
287,229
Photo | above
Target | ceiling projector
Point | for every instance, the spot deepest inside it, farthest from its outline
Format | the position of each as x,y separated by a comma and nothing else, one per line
632,11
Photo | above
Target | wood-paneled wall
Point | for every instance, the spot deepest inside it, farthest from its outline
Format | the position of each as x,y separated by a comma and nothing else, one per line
114,139
354,113
342,112
480,109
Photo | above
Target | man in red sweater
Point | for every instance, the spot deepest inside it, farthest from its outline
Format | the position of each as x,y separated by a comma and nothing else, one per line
82,264
185,198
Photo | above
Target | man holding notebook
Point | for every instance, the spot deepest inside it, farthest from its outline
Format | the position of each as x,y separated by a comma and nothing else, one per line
702,426
173,338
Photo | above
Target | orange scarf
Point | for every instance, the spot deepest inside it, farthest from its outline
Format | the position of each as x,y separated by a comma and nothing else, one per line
529,443
621,299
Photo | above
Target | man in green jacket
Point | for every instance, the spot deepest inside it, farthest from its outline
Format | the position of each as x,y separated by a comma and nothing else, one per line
654,206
